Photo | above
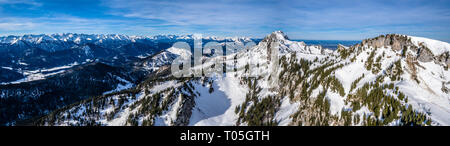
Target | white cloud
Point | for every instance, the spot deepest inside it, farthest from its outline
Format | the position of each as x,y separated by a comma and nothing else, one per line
13,2
6,26
57,24
218,14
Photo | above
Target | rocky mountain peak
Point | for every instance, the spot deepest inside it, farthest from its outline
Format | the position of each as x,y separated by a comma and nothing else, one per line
396,41
424,50
276,36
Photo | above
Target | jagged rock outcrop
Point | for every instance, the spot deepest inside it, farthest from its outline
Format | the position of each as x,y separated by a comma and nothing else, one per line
423,53
443,59
275,37
185,111
397,42
401,42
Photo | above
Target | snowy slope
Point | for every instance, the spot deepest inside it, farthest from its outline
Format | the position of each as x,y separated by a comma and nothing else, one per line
437,47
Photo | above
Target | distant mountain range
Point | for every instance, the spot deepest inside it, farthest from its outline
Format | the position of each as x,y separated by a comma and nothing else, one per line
331,44
21,54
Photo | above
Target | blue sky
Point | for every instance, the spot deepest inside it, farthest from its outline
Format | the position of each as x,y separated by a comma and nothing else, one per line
302,19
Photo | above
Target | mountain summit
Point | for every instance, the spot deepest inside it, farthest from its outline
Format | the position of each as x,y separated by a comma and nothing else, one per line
276,36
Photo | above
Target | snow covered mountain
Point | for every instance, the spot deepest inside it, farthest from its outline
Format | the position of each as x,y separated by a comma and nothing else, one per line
56,42
388,80
24,55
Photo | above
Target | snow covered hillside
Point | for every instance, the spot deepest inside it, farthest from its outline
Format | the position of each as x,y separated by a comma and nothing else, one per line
388,80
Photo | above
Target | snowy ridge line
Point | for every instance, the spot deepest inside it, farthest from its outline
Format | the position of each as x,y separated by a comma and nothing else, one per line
77,38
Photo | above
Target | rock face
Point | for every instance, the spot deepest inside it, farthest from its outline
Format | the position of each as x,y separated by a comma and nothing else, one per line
424,54
275,37
444,59
402,42
397,42
185,111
